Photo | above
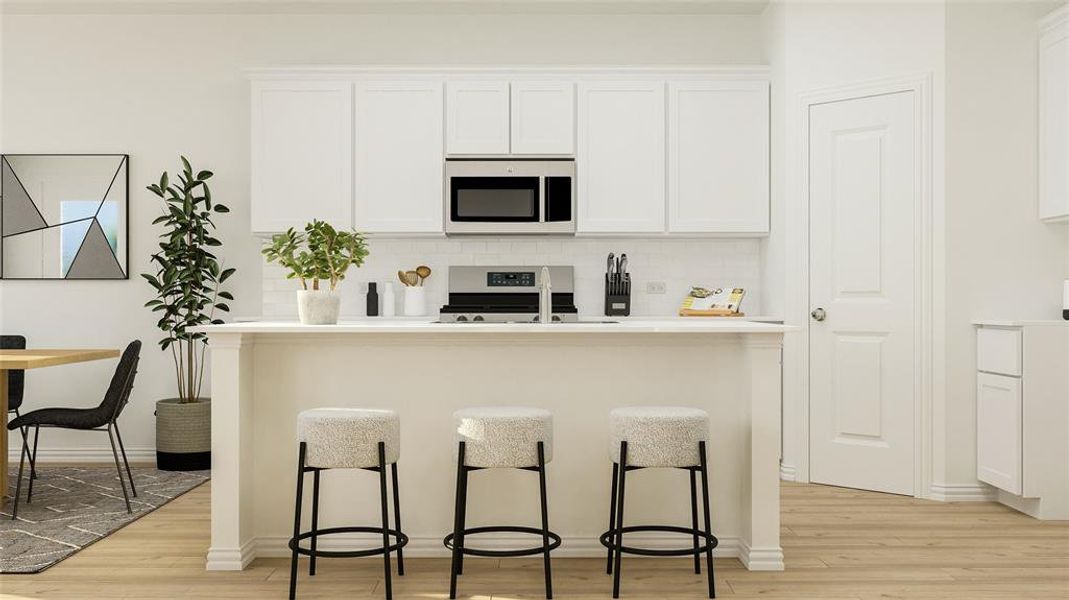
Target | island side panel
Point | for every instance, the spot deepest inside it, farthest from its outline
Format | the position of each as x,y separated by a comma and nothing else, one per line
232,546
579,377
761,540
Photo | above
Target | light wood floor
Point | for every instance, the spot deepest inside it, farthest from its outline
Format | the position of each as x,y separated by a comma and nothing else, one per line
839,544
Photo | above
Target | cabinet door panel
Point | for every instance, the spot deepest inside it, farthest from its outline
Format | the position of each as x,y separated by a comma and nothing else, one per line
620,158
301,154
718,157
477,117
998,431
399,157
1054,119
543,117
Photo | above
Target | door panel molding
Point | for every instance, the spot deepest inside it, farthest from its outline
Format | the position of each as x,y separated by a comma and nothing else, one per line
924,285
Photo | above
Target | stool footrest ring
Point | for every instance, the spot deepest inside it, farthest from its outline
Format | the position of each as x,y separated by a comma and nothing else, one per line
294,543
607,539
554,541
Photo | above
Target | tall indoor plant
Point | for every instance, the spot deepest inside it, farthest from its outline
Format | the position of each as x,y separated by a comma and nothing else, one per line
187,282
319,253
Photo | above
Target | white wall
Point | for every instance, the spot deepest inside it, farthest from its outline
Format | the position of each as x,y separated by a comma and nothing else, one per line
155,86
1001,261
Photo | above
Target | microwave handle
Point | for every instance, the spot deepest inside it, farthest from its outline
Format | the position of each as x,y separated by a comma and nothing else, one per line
543,195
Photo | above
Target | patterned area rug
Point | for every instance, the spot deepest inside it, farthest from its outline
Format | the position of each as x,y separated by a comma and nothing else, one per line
74,507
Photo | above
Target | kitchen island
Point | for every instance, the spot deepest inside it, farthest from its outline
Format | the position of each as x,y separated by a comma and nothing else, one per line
264,373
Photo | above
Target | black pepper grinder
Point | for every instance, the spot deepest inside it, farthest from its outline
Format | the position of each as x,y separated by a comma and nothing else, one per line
372,299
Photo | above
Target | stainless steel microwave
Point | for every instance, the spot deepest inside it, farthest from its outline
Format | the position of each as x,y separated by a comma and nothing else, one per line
510,196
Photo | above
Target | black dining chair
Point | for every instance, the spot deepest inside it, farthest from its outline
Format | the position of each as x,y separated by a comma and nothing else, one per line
101,418
16,385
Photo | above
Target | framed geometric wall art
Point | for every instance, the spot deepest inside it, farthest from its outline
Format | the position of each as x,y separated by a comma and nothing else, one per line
64,216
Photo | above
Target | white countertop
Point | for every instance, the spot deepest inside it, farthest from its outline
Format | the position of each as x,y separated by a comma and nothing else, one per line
1018,322
427,325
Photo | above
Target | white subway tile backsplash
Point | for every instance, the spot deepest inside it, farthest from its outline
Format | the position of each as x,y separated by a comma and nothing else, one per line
679,264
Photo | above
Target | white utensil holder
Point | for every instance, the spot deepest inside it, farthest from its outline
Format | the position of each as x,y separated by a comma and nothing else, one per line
415,301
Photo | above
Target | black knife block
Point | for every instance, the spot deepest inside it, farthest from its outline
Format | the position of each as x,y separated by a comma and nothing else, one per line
618,296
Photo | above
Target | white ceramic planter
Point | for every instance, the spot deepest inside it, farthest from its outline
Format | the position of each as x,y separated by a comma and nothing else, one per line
415,301
318,307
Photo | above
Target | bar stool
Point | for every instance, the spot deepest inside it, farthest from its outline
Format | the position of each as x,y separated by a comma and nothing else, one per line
644,437
493,438
347,438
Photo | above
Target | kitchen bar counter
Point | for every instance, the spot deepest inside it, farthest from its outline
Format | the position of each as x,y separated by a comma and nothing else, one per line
264,373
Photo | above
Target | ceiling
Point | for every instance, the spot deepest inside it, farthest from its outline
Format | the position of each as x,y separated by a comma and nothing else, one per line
743,7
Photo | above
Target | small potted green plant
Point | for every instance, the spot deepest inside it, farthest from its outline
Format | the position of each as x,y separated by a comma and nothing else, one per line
320,253
187,282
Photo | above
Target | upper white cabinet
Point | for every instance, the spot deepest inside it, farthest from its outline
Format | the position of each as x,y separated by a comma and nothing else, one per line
477,117
543,118
718,157
399,157
1054,116
302,152
620,157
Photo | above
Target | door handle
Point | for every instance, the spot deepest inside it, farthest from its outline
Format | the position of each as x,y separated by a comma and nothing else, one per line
818,314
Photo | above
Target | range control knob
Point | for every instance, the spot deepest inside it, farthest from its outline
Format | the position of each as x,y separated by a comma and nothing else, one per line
462,319
478,318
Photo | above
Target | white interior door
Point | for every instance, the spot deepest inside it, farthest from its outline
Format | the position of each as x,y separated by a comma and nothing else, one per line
862,199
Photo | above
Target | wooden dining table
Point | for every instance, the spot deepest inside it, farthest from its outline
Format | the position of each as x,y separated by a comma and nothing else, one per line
15,360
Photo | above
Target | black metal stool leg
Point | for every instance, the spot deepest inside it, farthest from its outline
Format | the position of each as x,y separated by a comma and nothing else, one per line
619,521
694,520
463,518
545,518
315,522
457,523
297,520
397,518
385,520
708,524
18,484
612,514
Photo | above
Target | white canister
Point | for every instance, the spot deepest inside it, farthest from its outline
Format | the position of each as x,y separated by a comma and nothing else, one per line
389,303
415,301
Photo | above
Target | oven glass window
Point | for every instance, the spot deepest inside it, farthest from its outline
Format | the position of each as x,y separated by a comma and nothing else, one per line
494,199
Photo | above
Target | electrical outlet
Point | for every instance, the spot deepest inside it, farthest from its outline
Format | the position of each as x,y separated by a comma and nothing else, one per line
655,287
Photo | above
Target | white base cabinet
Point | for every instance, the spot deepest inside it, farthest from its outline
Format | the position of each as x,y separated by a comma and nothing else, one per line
1022,414
1054,116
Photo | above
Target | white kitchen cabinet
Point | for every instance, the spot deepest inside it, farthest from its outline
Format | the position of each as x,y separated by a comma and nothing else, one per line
399,157
302,153
543,117
1054,116
477,117
1022,418
620,161
718,157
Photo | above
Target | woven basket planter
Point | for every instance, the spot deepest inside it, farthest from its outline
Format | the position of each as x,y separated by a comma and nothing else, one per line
183,435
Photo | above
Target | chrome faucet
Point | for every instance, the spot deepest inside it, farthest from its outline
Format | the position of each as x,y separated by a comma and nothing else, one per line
545,297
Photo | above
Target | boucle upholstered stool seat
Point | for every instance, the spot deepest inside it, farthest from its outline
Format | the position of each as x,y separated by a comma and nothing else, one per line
347,438
500,437
504,436
658,436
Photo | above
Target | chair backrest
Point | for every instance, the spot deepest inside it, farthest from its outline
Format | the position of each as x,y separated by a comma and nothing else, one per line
122,382
15,378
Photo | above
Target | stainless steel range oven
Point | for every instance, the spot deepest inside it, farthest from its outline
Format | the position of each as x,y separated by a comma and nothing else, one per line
510,196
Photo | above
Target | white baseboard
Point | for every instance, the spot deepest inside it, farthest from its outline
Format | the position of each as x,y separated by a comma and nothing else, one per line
760,559
787,472
83,455
962,492
230,559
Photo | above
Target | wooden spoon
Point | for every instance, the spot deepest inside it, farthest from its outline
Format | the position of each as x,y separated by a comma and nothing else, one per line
424,272
411,278
401,276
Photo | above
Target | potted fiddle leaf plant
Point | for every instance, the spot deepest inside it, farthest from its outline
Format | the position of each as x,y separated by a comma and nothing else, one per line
188,286
316,256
